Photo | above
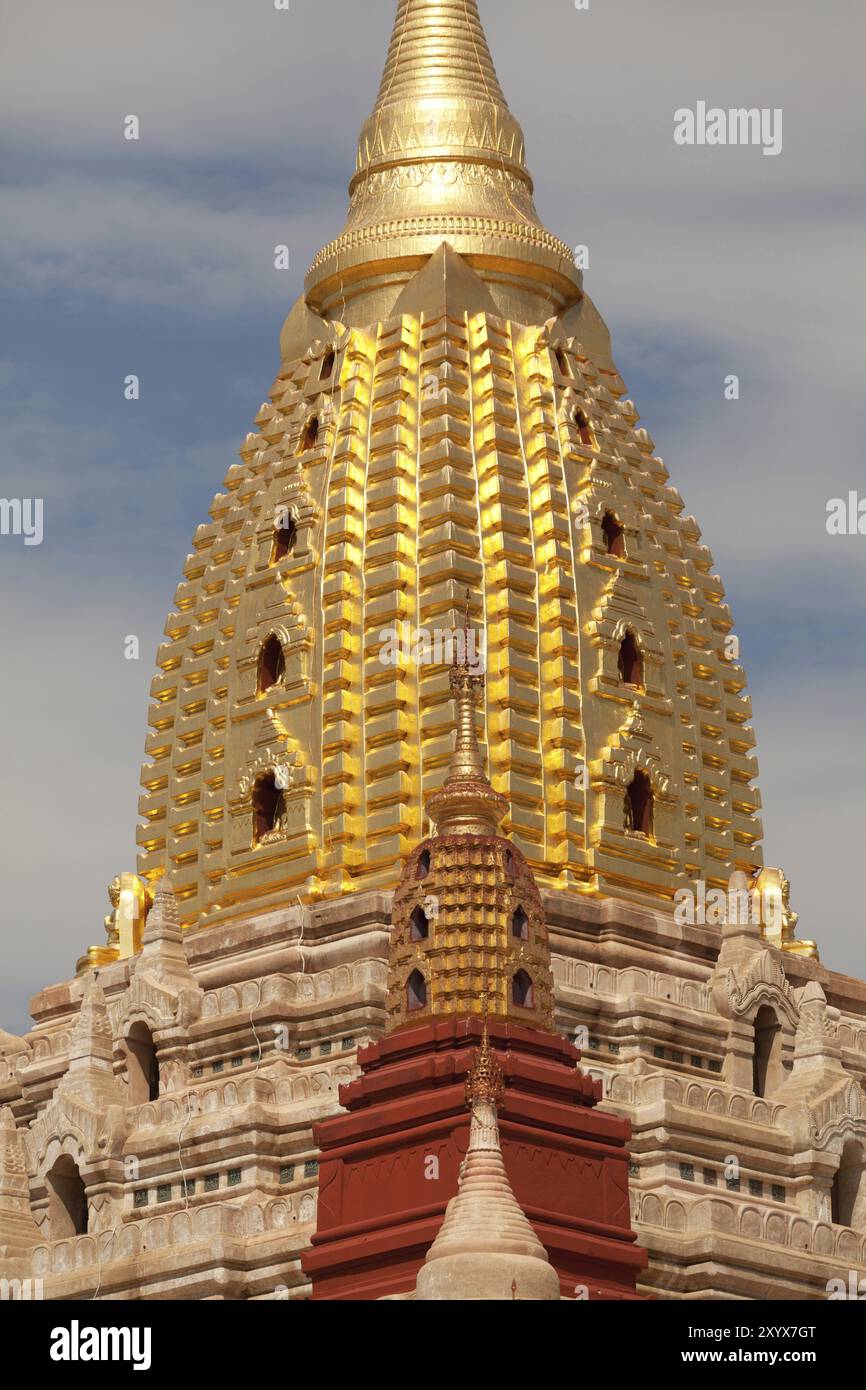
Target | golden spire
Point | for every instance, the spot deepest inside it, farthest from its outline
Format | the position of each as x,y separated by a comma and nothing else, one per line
466,804
440,158
440,102
438,49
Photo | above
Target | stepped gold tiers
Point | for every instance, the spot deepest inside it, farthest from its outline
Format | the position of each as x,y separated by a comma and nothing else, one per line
450,450
451,418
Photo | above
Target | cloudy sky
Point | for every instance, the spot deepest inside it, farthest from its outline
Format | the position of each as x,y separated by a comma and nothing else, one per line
156,258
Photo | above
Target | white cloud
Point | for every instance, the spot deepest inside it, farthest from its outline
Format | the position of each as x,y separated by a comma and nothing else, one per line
209,78
144,244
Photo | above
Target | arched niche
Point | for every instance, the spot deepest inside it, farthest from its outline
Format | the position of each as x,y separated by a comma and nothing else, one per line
848,1193
639,805
67,1199
767,1070
142,1065
416,992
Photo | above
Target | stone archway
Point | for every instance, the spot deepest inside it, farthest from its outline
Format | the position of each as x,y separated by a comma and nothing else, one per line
767,1069
67,1199
142,1065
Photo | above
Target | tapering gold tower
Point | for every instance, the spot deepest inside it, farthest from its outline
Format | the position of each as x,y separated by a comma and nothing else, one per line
447,415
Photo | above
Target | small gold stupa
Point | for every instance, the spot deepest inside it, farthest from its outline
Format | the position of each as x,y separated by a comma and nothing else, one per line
467,918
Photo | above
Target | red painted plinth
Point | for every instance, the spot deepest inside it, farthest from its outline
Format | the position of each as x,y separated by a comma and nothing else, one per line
389,1167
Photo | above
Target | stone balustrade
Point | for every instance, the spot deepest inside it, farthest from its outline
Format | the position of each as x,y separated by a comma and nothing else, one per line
202,1225
608,980
297,988
647,1088
750,1221
181,1108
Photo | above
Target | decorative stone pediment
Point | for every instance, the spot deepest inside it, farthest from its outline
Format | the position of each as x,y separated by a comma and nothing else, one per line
758,980
151,1003
838,1115
294,779
619,612
89,1077
817,1024
69,1125
84,1112
570,401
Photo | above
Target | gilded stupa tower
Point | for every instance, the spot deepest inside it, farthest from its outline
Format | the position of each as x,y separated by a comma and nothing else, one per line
447,415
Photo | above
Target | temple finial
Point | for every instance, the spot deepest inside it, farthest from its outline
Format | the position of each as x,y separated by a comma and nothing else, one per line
467,803
467,620
485,1082
440,158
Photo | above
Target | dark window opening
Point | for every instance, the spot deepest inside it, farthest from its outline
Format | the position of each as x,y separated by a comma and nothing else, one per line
639,805
582,425
142,1066
327,365
311,434
422,868
509,863
520,924
630,661
67,1199
561,361
768,1033
521,990
419,926
848,1184
284,540
416,991
268,806
272,664
614,535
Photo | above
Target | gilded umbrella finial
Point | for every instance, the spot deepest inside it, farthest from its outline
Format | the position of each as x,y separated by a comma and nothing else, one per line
485,1082
466,804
